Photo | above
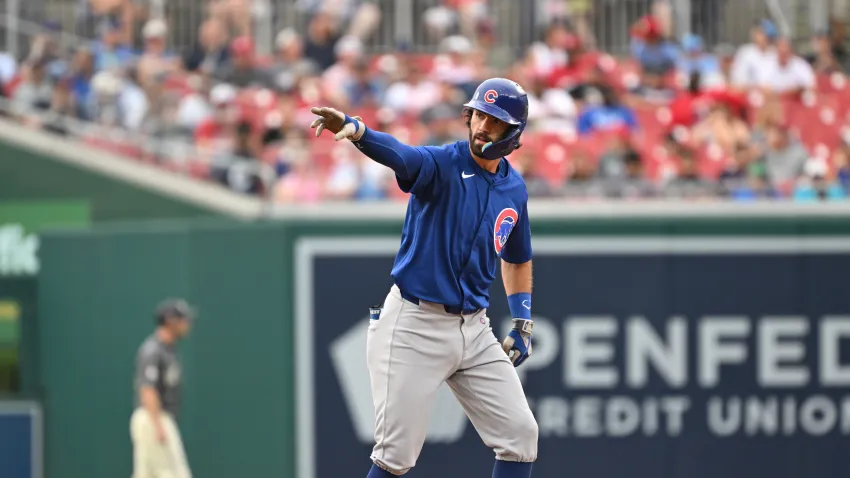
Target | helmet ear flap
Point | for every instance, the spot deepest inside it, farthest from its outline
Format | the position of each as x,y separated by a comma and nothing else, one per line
514,137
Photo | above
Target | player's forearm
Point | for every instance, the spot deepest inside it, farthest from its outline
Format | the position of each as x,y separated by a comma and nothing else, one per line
149,399
516,277
517,280
383,148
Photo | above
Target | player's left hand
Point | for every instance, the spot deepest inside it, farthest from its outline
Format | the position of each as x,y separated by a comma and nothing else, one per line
518,342
338,123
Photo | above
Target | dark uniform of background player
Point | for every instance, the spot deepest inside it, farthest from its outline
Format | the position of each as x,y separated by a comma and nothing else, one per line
157,446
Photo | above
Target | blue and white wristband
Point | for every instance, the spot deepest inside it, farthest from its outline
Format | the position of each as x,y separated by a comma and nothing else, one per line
520,305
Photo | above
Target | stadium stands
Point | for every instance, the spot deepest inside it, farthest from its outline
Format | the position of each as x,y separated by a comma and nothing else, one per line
671,119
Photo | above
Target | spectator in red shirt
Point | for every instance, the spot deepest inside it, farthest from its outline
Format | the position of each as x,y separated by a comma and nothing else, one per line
578,63
691,104
721,128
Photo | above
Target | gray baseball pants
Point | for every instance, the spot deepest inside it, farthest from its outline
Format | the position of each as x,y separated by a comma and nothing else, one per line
411,350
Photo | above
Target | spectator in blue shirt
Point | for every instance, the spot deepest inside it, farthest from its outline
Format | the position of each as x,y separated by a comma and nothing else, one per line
108,50
841,163
693,59
654,52
80,75
610,115
817,185
364,90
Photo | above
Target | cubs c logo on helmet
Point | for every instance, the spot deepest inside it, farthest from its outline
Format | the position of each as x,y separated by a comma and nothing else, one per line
505,222
490,96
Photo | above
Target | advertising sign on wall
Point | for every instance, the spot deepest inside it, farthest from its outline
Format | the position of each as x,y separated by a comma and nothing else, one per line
653,357
20,223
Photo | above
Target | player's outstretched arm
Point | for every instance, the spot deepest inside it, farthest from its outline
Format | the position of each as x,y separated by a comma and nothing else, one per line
383,148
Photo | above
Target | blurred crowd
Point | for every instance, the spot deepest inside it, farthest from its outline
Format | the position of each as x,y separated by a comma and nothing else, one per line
674,119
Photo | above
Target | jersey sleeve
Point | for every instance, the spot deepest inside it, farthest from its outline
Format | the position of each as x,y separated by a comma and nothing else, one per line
517,249
434,165
147,367
415,167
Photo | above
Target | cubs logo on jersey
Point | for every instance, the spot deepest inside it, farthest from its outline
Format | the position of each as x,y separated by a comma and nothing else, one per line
505,222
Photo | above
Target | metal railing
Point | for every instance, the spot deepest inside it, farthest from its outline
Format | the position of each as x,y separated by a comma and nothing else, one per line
412,23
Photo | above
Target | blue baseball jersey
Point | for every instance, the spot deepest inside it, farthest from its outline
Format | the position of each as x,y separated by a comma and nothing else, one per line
461,220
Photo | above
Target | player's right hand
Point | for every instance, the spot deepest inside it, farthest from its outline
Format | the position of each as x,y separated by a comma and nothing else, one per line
338,123
160,431
518,342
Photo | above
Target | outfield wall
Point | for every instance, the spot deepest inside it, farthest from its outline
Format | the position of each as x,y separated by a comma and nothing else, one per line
693,346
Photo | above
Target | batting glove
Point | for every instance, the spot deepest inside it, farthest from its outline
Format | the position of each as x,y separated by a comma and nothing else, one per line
338,123
518,342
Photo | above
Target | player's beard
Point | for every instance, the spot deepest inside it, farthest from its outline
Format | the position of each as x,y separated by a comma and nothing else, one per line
477,143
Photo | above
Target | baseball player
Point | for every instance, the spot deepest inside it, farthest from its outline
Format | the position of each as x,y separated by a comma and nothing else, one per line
157,446
466,216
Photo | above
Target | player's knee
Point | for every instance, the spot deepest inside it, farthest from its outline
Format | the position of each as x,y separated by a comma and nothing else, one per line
530,434
524,445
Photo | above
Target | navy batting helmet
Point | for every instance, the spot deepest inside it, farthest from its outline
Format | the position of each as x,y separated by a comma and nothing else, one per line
507,101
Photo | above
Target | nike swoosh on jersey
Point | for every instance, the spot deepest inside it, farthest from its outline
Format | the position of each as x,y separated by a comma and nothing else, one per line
465,176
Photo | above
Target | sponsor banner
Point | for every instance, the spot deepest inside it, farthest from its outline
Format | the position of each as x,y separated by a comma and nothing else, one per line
20,223
653,357
20,439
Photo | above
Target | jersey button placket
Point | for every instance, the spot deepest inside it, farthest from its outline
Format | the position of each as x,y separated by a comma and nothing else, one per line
465,300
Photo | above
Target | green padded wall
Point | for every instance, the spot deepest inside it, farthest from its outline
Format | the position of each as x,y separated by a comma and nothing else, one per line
97,289
25,175
98,293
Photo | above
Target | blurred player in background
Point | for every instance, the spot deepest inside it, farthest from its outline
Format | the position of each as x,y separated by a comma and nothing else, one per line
157,446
